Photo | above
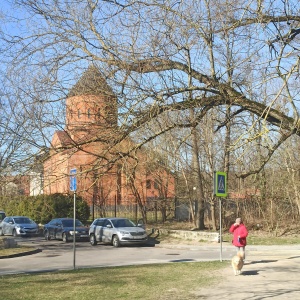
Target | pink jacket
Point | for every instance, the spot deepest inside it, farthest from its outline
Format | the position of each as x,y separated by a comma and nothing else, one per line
239,231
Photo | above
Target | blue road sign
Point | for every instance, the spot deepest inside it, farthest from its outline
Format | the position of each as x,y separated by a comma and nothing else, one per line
220,184
73,180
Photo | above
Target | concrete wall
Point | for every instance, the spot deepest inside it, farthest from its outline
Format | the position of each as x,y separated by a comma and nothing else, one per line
192,235
6,243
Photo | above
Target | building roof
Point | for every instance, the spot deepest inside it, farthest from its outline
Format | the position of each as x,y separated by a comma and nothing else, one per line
63,138
92,82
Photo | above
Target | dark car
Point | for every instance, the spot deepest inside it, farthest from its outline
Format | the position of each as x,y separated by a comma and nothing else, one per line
117,231
2,215
63,229
18,226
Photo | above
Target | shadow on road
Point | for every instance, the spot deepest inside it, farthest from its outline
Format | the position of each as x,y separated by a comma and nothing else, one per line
262,262
250,273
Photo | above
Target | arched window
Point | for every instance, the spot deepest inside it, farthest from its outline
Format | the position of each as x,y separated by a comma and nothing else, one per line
89,113
79,113
148,184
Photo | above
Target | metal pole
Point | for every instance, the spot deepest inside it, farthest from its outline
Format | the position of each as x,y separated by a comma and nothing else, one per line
74,235
220,204
115,206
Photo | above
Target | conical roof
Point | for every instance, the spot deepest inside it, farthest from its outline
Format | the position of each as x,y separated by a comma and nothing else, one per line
92,82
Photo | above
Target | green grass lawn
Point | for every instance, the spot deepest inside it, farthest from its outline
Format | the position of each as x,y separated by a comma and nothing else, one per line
264,239
163,281
14,251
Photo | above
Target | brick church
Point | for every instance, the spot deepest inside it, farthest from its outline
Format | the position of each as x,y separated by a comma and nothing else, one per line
107,173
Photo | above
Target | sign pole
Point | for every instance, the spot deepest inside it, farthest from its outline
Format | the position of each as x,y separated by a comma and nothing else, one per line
73,187
74,230
220,234
220,190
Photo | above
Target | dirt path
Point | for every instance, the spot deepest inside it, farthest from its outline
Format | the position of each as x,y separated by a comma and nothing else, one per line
267,274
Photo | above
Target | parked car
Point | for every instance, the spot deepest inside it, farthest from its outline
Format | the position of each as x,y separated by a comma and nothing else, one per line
63,228
18,226
2,215
116,231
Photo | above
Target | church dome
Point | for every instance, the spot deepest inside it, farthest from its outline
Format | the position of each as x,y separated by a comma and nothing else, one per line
92,82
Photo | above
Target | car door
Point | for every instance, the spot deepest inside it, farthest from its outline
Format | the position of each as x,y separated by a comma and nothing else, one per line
5,225
107,231
55,229
59,229
9,226
98,230
51,228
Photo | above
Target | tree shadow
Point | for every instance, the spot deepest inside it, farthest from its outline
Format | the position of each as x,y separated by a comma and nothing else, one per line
182,260
262,262
152,238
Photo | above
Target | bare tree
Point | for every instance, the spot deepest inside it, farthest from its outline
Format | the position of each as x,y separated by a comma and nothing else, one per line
141,47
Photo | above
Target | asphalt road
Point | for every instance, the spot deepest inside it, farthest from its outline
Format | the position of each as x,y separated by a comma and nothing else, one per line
56,255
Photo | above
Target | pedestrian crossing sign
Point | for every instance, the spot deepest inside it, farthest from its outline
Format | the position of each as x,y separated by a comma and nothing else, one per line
220,184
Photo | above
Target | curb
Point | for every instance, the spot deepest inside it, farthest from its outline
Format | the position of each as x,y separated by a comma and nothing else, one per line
21,254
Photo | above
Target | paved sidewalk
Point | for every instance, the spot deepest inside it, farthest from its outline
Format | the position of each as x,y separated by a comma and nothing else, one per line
270,272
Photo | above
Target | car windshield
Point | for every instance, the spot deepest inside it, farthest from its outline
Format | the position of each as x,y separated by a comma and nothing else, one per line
69,223
123,223
23,220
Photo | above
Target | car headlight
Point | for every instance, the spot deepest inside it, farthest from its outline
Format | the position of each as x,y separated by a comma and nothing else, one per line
72,232
124,232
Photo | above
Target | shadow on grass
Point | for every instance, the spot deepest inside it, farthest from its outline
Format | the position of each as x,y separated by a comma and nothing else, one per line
182,260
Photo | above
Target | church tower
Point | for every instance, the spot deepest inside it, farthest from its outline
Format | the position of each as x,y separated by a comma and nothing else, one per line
91,106
90,144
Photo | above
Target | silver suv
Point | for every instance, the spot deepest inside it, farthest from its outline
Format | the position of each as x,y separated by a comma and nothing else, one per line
116,231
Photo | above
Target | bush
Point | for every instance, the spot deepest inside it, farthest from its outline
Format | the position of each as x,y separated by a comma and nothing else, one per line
43,208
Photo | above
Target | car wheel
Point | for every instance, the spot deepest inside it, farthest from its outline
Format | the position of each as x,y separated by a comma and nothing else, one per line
47,235
93,241
65,238
15,233
116,241
1,232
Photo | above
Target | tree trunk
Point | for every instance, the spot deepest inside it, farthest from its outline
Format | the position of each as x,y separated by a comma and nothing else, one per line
213,215
198,183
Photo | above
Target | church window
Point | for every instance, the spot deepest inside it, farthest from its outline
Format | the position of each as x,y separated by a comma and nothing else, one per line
148,184
89,113
79,113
